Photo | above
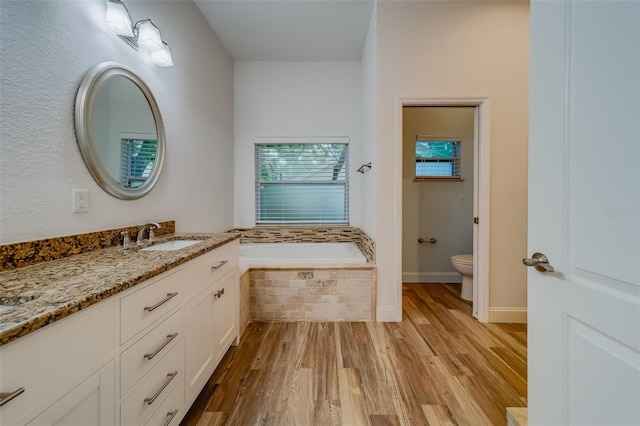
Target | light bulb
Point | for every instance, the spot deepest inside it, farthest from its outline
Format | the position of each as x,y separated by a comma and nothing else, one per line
162,57
149,35
118,18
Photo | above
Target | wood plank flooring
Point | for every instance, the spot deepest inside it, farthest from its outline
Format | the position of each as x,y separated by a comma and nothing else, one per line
436,367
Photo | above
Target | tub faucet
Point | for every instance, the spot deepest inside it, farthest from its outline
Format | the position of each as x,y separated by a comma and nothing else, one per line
151,225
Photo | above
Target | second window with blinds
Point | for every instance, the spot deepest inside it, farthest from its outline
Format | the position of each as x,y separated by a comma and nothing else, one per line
437,158
302,181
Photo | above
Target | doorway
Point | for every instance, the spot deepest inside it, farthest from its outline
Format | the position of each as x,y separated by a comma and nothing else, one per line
481,191
438,193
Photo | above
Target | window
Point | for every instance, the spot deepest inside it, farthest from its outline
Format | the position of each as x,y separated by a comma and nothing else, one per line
437,158
302,183
137,157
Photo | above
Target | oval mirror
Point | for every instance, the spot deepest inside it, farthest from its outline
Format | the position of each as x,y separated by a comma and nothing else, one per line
120,130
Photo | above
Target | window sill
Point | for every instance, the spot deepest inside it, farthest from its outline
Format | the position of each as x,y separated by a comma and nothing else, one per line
438,179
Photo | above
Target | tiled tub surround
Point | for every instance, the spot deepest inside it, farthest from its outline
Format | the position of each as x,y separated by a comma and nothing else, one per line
312,294
19,255
300,288
245,316
61,287
312,234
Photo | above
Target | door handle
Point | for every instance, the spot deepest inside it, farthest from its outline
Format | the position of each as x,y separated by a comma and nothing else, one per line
170,377
170,337
540,262
8,396
160,303
220,265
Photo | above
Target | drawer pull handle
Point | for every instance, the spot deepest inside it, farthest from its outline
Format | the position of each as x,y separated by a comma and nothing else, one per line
171,415
160,303
220,265
8,396
170,337
218,294
170,377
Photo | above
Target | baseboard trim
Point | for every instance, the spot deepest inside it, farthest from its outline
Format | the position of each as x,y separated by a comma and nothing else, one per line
517,315
387,315
431,277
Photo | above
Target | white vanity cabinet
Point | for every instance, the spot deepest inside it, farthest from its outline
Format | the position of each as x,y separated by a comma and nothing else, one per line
212,314
152,351
90,403
139,357
226,315
66,370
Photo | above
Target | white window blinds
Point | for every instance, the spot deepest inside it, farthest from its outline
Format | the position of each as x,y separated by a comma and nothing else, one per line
437,158
137,157
302,183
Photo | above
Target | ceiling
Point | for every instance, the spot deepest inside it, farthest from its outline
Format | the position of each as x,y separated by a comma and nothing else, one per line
290,30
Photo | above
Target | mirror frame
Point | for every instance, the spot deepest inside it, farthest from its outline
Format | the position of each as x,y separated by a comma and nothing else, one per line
85,100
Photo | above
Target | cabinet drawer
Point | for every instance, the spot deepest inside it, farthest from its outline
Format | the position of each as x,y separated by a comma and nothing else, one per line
142,308
143,355
204,270
159,383
170,410
47,362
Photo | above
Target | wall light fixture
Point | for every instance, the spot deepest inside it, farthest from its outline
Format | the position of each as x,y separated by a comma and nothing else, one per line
119,19
162,57
143,33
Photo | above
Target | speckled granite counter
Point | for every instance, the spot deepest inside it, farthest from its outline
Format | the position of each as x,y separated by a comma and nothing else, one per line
47,292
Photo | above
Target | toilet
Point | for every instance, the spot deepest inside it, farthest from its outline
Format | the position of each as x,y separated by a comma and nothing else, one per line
463,263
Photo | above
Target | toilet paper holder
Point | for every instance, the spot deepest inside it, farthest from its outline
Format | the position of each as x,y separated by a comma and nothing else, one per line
430,240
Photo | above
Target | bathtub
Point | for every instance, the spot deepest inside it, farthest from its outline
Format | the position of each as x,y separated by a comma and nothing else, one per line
306,282
286,255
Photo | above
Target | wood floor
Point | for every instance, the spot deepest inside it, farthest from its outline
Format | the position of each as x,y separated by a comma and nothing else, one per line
438,366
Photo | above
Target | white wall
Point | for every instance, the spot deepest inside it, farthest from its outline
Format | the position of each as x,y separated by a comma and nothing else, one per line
369,81
447,49
293,99
45,49
436,209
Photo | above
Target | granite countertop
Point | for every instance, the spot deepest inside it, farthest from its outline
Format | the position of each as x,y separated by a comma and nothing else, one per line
47,292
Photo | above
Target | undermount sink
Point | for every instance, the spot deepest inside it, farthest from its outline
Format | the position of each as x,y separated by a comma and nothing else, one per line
171,245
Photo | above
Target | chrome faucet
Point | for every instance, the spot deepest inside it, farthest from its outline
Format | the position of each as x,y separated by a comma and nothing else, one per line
151,225
126,243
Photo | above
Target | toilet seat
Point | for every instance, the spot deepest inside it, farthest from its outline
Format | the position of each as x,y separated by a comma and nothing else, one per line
464,259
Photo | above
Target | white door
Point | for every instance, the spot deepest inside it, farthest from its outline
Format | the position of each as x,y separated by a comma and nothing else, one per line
584,213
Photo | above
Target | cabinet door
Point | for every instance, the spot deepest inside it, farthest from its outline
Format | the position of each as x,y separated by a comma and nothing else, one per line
225,314
93,402
199,341
49,361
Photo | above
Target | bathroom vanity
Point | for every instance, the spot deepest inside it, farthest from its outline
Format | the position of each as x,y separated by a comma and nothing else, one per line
131,337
